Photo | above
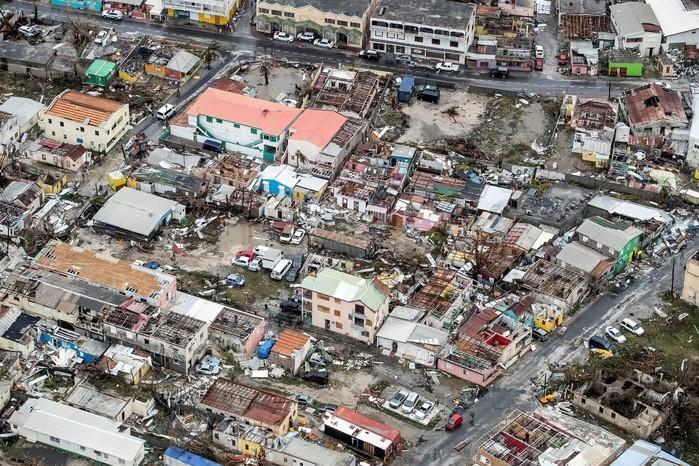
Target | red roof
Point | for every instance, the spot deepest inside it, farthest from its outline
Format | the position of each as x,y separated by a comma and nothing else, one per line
270,117
650,103
318,127
369,424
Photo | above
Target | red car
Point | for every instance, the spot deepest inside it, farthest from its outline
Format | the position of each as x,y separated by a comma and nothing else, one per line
247,253
454,421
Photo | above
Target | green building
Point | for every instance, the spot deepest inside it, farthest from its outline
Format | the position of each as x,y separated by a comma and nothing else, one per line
100,72
616,240
625,63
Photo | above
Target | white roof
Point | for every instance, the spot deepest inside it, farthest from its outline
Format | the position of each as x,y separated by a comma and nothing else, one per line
405,331
282,174
76,426
674,17
357,432
311,183
135,211
629,209
580,257
630,17
21,107
192,306
494,199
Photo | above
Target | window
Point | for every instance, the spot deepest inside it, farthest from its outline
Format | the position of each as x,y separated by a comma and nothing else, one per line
341,23
379,47
54,439
323,297
337,313
98,453
216,436
218,120
329,21
263,10
80,140
276,12
355,25
365,333
453,43
381,24
359,309
323,309
50,121
359,321
395,26
97,133
418,39
82,129
426,30
400,49
43,156
82,448
452,56
418,51
288,15
253,130
236,125
209,119
435,41
62,125
247,446
337,301
410,29
338,325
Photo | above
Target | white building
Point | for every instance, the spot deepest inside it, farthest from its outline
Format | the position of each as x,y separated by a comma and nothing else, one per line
93,122
9,130
75,431
680,23
405,338
693,147
26,110
434,30
637,28
322,137
239,123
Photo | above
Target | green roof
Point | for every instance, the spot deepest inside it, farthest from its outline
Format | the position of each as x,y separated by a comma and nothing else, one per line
346,287
101,68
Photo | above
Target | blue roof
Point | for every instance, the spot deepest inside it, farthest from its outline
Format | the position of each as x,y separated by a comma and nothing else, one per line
188,457
407,83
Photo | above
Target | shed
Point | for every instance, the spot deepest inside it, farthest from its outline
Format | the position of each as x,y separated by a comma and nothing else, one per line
334,241
625,63
100,72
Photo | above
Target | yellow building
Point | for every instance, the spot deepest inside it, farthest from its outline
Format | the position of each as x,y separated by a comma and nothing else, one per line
217,12
345,23
95,123
52,183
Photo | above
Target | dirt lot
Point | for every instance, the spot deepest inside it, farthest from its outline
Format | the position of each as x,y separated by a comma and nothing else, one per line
282,79
431,121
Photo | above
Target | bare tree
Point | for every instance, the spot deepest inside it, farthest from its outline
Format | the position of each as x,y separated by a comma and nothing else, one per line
80,32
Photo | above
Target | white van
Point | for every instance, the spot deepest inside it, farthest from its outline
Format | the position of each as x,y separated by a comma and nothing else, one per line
410,403
281,269
166,111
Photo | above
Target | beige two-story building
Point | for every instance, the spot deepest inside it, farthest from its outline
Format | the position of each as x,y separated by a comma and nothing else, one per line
344,22
95,123
345,304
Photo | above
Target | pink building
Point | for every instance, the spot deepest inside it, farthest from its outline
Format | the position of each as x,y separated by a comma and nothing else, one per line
487,343
345,304
67,156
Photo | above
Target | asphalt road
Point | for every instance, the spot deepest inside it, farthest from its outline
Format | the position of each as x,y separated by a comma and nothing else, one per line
238,41
514,389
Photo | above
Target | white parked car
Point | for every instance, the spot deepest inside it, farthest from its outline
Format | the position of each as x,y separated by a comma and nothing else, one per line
283,37
116,15
260,250
102,38
306,36
255,264
324,43
298,235
631,326
539,51
241,261
446,66
424,409
614,334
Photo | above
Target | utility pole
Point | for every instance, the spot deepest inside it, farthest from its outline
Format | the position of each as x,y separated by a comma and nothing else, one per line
672,284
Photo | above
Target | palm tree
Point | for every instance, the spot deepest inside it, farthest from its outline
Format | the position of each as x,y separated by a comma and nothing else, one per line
265,70
212,50
300,158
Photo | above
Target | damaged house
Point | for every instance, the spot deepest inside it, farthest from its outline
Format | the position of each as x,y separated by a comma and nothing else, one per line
555,285
404,337
654,109
487,343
